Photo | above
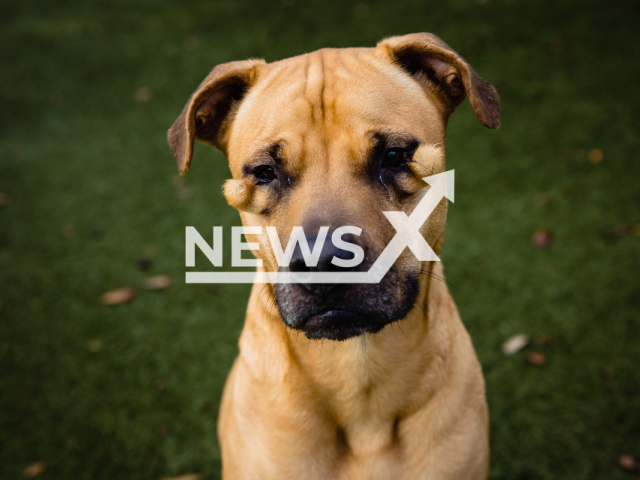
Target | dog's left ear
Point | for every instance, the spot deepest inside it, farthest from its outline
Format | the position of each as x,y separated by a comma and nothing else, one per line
207,114
436,65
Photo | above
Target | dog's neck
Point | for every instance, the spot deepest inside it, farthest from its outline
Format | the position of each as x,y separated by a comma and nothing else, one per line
359,368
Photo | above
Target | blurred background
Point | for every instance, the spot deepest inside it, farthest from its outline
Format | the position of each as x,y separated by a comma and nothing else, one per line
543,240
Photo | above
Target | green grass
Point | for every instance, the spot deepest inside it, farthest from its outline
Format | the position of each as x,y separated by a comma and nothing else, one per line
75,148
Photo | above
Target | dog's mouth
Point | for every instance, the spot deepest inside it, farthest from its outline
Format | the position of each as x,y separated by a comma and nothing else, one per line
346,311
339,325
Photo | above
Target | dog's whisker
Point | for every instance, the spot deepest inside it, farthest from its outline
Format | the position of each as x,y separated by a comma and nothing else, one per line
400,327
429,273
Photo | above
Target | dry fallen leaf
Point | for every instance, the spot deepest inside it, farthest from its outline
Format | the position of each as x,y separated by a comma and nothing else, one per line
159,282
191,42
143,95
543,198
34,470
179,181
188,476
623,230
596,155
118,297
69,231
628,463
5,199
515,343
144,263
95,346
542,238
536,358
606,375
184,193
361,11
97,234
15,156
543,339
557,45
96,29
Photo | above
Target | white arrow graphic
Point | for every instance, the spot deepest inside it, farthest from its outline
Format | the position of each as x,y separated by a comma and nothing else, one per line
408,227
408,235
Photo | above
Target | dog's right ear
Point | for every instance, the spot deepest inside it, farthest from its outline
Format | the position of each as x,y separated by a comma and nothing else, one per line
206,116
437,66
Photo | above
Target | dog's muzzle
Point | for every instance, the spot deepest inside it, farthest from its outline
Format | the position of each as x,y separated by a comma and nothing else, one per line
339,311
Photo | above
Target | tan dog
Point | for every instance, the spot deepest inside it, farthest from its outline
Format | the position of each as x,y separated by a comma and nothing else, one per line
334,138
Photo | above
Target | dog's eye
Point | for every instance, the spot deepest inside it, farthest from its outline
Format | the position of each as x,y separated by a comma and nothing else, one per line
265,174
395,157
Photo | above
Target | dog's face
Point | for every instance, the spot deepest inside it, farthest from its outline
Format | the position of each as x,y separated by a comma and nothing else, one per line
331,139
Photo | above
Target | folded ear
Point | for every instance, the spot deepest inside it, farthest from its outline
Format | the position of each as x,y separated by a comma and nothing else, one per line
437,66
206,116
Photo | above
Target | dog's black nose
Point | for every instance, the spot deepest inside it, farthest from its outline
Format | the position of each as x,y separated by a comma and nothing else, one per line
327,255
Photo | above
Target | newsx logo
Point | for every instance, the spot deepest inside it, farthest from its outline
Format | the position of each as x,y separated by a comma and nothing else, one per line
311,257
407,236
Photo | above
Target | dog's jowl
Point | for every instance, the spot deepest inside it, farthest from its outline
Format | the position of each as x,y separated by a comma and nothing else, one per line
345,381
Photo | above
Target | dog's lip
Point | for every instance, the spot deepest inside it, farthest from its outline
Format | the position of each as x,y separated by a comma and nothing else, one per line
321,318
336,319
339,324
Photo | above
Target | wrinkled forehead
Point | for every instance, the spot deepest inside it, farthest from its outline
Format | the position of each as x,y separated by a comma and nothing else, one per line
332,96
